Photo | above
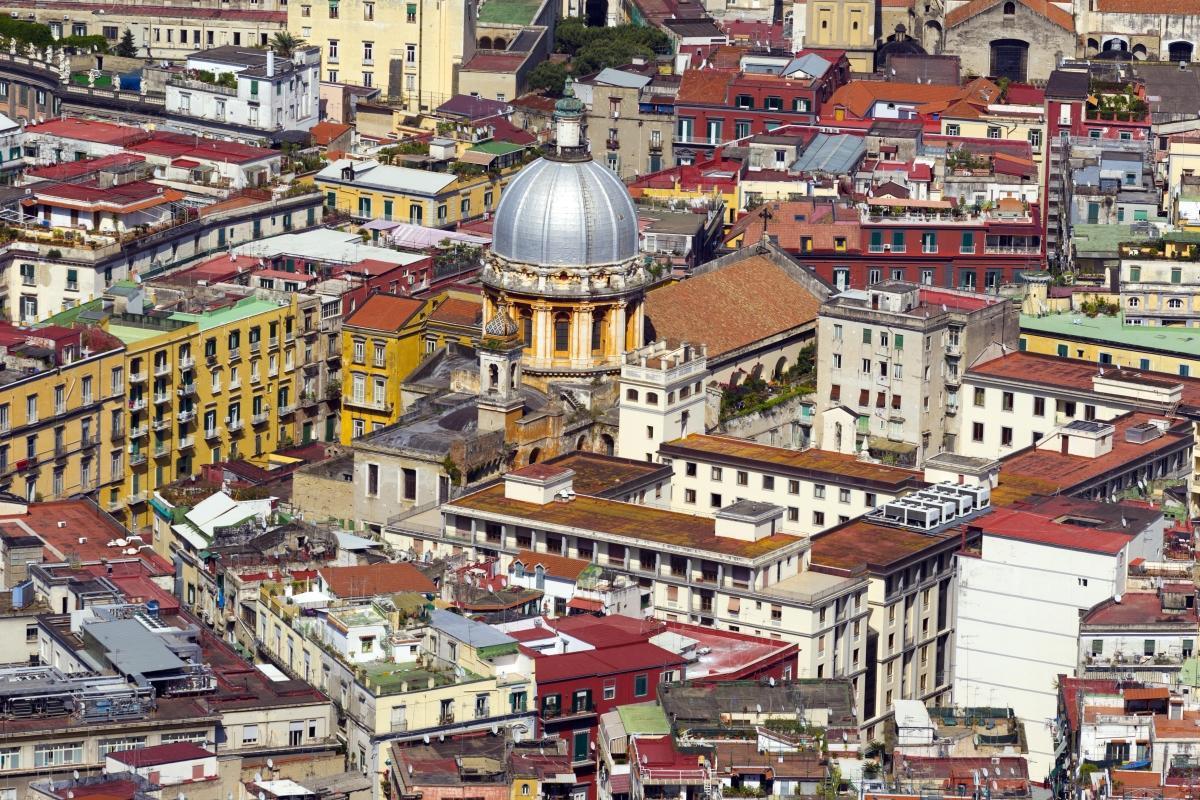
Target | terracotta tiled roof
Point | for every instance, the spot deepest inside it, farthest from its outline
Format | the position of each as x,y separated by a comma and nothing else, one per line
857,97
707,86
1043,8
555,566
384,312
791,221
456,311
326,131
375,579
731,306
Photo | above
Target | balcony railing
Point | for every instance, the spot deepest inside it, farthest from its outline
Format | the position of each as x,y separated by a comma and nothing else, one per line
186,362
137,458
260,417
137,405
285,410
186,442
161,424
187,390
235,424
162,398
163,369
139,431
186,417
137,377
212,433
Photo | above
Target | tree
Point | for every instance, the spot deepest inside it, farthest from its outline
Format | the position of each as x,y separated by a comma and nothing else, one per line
548,76
126,46
286,44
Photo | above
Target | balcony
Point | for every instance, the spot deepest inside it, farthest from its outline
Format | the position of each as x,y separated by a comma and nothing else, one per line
212,433
261,417
162,398
88,441
656,146
137,458
186,442
137,497
446,718
286,410
137,377
612,144
27,464
162,369
308,399
187,390
60,450
117,434
235,425
186,416
138,404
234,354
289,337
162,449
139,431
187,362
255,346
273,342
161,424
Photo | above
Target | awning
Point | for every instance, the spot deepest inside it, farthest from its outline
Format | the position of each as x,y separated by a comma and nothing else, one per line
735,604
583,604
380,225
619,783
878,443
477,157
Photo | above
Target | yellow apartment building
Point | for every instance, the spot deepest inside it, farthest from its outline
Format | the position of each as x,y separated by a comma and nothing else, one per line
381,345
410,49
61,417
203,387
370,190
455,318
1108,340
1009,123
842,25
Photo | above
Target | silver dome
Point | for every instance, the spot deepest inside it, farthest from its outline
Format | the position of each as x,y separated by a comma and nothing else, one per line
569,213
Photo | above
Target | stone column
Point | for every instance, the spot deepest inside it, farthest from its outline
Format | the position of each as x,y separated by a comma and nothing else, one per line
582,357
616,327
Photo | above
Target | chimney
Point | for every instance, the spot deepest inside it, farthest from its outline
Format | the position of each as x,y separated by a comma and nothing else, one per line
748,521
270,63
1175,710
540,484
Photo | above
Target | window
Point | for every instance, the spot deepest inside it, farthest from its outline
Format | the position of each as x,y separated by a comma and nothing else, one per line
819,491
372,480
743,478
54,755
993,132
952,129
1006,401
714,500
689,496
1006,437
977,432
768,482
979,396
368,47
1039,406
793,487
10,758
249,734
641,685
118,744
715,473
333,50
410,54
819,518
843,495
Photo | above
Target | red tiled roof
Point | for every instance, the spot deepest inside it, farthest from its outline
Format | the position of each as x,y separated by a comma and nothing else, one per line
555,566
1042,8
1138,608
608,661
705,86
73,169
384,312
326,131
176,145
858,97
372,579
495,62
584,604
161,754
791,222
456,311
731,306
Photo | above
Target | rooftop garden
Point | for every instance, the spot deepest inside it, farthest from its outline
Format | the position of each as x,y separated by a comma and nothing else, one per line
754,395
1115,102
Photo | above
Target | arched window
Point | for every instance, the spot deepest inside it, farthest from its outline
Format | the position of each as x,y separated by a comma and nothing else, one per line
493,377
539,575
631,394
499,44
597,334
651,398
1134,302
1010,8
562,333
534,455
527,327
485,43
1174,302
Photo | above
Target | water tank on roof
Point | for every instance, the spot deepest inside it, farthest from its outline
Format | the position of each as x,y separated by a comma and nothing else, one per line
152,608
130,81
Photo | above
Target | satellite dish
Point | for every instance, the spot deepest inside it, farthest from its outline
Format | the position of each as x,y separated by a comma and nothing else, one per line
426,737
495,729
257,777
270,764
75,774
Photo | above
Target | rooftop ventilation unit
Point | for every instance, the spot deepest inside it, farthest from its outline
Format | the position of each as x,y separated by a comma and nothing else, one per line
933,506
1140,434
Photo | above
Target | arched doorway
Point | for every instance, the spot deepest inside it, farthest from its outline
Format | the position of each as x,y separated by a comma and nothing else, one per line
932,36
1115,44
1140,52
485,43
534,455
1093,47
581,444
1009,59
608,444
1179,51
780,366
499,43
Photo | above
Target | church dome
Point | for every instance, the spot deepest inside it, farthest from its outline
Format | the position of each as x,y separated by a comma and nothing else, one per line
565,213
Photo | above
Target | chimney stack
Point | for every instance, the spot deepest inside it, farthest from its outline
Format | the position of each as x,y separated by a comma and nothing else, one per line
270,63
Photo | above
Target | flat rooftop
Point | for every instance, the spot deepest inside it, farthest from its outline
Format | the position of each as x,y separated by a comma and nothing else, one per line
509,12
823,464
1113,330
605,476
242,309
867,545
634,523
1049,472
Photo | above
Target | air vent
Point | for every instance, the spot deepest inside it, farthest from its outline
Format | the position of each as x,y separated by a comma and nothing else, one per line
933,507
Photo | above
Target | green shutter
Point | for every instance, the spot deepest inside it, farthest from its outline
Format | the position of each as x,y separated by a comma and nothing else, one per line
866,335
899,337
